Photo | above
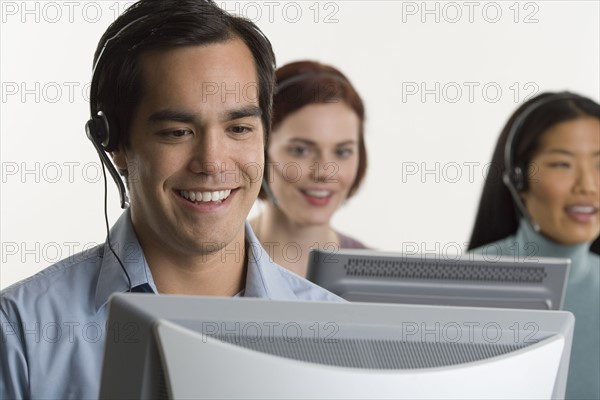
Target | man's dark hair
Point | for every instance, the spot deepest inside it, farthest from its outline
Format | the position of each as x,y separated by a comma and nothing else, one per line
116,88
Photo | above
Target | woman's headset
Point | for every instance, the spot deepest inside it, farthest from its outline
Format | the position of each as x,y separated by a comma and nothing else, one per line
515,176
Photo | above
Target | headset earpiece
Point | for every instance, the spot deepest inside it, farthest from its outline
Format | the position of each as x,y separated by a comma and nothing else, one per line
97,128
98,131
518,179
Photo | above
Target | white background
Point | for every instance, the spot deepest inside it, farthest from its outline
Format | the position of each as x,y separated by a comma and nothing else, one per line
428,142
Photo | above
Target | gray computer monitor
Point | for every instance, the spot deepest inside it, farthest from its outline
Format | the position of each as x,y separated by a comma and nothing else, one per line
468,280
226,348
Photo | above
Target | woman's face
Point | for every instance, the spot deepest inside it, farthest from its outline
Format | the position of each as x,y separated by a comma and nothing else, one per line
313,161
564,179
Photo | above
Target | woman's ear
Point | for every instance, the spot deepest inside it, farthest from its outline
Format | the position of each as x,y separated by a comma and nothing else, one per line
523,196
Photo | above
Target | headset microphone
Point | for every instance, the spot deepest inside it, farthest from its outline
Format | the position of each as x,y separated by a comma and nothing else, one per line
92,129
269,193
519,202
97,127
97,130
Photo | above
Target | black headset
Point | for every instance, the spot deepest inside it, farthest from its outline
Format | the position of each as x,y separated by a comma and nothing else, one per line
514,176
97,127
287,82
97,130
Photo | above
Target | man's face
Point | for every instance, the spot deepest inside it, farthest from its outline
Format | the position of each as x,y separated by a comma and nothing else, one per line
195,158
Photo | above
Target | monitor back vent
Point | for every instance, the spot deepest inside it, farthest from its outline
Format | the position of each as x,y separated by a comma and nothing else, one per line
372,353
443,270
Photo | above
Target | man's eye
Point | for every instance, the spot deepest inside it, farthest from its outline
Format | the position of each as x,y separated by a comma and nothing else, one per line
240,130
176,133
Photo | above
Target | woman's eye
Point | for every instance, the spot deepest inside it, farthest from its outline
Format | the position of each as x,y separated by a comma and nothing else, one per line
560,164
343,153
299,150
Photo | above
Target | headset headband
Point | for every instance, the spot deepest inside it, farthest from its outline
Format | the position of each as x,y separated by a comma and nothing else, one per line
513,176
287,82
522,118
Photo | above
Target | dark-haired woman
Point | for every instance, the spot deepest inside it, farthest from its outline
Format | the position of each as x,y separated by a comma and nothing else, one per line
546,203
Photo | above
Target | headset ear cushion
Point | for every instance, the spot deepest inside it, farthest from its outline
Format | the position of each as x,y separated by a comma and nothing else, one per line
97,130
518,179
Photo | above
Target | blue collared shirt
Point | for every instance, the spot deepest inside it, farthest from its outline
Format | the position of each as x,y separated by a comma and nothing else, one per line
54,324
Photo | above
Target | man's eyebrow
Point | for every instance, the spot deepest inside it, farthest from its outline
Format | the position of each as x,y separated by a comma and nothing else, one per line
171,115
250,111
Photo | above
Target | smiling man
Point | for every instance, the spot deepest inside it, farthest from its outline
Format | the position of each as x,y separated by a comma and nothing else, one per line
195,158
192,157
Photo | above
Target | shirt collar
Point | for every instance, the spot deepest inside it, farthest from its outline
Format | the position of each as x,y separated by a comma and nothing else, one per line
112,278
263,277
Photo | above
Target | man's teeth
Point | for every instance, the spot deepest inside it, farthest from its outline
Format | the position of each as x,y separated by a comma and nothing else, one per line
582,209
205,196
318,193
